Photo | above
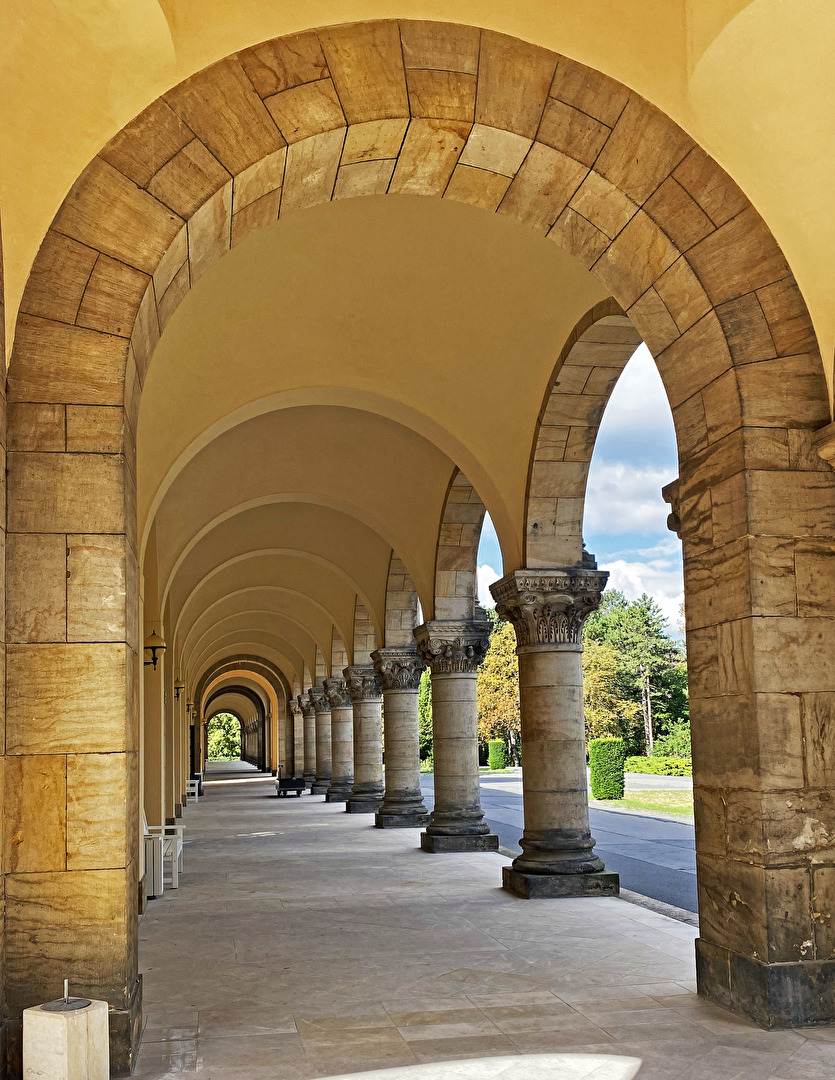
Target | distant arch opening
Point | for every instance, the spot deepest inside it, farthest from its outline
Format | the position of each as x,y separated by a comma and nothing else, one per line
224,737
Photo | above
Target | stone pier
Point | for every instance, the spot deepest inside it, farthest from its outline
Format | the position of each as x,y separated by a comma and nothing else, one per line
342,741
453,651
366,696
322,708
399,672
548,609
306,706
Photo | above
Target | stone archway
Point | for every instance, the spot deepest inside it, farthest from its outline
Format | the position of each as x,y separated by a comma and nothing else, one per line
459,113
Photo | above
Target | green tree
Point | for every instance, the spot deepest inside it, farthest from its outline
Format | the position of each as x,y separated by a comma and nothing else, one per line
425,716
498,690
224,738
607,711
637,631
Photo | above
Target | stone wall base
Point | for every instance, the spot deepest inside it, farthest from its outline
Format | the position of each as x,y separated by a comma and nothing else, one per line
553,886
478,842
402,821
125,1030
772,995
11,1040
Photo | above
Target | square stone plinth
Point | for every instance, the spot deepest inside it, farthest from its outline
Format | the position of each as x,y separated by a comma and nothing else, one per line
554,886
370,807
402,821
438,844
772,995
335,797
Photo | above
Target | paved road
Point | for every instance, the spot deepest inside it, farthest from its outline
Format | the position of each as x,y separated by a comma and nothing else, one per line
653,856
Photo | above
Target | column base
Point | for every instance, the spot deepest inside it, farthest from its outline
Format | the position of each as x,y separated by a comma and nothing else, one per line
474,842
320,787
308,780
789,995
125,1029
337,796
363,806
413,820
553,886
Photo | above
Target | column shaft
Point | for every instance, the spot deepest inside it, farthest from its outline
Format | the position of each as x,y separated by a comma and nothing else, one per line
399,671
298,739
322,708
342,741
366,697
309,740
453,651
548,609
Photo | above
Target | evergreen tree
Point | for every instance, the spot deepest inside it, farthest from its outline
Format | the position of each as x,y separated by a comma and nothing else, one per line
637,631
425,715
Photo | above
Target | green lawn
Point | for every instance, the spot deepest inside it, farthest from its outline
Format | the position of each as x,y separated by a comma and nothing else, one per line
671,802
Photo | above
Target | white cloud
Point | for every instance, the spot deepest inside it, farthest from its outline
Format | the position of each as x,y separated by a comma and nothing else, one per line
659,577
639,402
486,576
623,498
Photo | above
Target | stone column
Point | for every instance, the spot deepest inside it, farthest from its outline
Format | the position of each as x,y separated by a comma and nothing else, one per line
366,696
309,714
297,724
342,741
548,609
322,709
453,650
399,672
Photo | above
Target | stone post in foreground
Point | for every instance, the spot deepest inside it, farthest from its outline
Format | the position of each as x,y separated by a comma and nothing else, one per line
366,696
548,609
342,741
453,651
399,672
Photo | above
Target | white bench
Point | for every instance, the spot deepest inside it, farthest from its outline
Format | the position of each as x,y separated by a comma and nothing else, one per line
163,850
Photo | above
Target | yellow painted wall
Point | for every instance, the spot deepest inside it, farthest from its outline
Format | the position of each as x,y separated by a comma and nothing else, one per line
750,81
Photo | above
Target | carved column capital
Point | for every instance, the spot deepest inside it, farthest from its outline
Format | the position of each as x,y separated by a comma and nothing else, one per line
451,647
319,699
338,693
305,705
549,607
398,669
295,708
363,684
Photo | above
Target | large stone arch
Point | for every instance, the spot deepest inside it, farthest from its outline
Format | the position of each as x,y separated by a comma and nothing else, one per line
588,367
456,577
472,115
401,606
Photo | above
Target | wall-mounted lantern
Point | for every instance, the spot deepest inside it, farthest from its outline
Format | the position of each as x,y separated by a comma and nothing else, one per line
179,686
154,644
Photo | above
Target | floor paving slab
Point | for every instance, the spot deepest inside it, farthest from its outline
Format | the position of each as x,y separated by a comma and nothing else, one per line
303,942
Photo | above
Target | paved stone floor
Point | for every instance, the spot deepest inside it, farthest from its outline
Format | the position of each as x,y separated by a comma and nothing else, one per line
653,855
305,943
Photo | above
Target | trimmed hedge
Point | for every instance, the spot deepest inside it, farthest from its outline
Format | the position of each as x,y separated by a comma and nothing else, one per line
496,756
660,766
606,761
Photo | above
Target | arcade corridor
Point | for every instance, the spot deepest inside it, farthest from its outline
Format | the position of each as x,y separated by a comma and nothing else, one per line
303,942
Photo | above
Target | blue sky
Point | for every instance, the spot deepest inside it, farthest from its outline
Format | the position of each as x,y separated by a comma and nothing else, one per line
625,520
